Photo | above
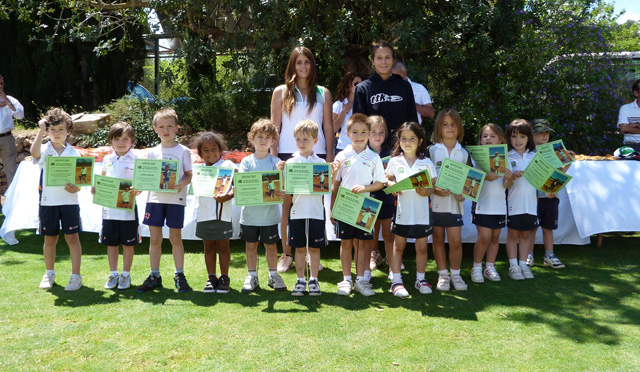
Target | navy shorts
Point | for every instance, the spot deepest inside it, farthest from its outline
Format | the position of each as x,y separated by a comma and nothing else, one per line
490,221
298,238
52,215
265,234
386,211
412,231
345,231
446,219
156,214
214,230
548,213
116,232
522,222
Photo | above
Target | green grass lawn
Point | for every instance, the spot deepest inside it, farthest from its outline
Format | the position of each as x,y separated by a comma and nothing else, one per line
584,317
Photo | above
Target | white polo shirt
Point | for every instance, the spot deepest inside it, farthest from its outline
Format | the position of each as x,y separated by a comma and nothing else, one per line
260,215
208,209
119,167
343,140
177,152
492,199
630,114
521,197
412,209
7,116
363,169
306,206
55,195
299,112
420,95
438,152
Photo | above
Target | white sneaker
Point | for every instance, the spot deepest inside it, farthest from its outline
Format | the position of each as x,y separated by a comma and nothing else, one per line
443,283
458,283
125,282
284,263
344,287
48,280
364,288
112,282
399,290
299,289
476,274
491,274
75,282
276,282
553,261
515,272
314,288
530,262
423,286
250,284
367,277
526,272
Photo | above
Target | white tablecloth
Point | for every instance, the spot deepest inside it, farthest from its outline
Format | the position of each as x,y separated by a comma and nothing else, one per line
21,212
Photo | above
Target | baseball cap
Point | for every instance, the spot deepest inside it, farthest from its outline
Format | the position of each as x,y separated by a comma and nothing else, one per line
541,125
624,152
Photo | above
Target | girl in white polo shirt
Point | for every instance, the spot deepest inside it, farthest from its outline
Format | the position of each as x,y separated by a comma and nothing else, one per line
447,207
522,204
412,214
489,213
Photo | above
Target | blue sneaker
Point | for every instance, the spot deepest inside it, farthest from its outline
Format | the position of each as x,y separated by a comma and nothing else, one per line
150,284
553,261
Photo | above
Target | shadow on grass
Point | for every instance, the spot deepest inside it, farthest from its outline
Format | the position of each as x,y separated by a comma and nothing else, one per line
582,303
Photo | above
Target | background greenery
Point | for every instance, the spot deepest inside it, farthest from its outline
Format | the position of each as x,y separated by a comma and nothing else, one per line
492,60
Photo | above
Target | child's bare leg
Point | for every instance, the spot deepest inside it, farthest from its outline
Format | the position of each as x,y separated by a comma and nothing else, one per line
395,255
113,251
284,223
439,252
523,246
271,251
210,256
222,246
547,238
314,254
512,243
482,244
494,246
532,239
251,253
127,257
75,251
175,237
155,246
455,246
300,261
387,235
421,254
346,256
49,251
362,256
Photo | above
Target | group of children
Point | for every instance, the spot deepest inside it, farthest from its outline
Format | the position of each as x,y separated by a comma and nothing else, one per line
410,214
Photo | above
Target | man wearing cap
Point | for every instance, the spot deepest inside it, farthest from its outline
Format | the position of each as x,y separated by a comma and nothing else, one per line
9,108
629,119
424,105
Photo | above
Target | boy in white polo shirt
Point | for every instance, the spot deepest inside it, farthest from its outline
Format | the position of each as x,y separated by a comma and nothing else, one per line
306,213
163,206
57,204
360,171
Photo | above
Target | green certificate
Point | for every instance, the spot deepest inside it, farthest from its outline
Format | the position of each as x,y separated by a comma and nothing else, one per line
544,176
356,209
555,153
422,178
307,178
160,175
490,158
460,179
77,170
257,188
211,181
114,193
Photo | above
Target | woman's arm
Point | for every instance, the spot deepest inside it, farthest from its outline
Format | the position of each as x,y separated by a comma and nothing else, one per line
327,124
276,114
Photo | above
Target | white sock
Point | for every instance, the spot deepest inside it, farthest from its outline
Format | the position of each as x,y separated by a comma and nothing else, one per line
455,272
301,280
367,273
522,263
253,272
513,262
419,276
126,273
396,278
477,264
443,272
548,253
491,264
347,278
312,278
114,273
359,278
51,272
272,272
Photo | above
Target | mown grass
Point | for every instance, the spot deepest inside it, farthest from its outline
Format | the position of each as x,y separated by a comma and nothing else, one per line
583,317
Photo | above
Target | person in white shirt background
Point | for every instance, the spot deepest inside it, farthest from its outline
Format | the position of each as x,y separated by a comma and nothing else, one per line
10,108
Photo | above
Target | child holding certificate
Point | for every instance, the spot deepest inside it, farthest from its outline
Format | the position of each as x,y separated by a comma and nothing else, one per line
547,205
360,171
57,204
120,226
489,213
167,206
412,214
377,143
305,213
522,205
447,207
213,218
260,222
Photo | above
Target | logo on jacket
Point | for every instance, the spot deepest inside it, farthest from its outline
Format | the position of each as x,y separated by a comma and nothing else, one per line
381,97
